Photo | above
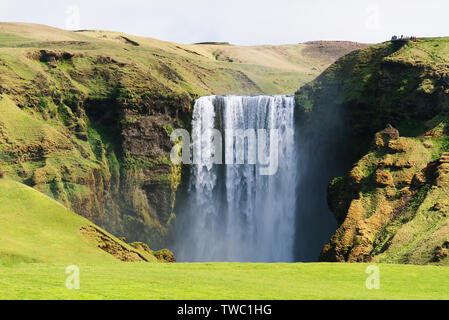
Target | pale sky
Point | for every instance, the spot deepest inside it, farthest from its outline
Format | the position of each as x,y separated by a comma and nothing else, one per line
245,22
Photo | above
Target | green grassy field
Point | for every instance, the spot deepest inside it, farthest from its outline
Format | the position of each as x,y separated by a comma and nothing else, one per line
223,281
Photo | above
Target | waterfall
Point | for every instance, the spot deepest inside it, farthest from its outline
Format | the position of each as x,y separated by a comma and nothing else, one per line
232,211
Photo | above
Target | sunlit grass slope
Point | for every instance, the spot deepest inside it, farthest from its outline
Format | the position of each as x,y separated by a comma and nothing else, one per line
35,228
223,281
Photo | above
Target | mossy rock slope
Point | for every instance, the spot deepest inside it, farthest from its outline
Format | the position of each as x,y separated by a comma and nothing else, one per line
393,100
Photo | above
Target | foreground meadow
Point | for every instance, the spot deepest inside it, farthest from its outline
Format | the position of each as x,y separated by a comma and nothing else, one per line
222,281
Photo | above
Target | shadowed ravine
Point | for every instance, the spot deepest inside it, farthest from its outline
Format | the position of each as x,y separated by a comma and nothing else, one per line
232,212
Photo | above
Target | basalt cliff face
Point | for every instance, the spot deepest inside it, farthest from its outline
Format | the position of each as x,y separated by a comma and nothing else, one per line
392,206
85,117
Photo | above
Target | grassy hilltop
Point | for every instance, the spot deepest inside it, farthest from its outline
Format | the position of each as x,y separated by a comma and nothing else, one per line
199,69
85,117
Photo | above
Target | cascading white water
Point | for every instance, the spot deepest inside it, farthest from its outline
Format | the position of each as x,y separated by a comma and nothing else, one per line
233,213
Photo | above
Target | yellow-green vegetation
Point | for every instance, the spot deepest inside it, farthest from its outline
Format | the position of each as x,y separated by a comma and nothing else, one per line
392,206
223,281
85,116
198,68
